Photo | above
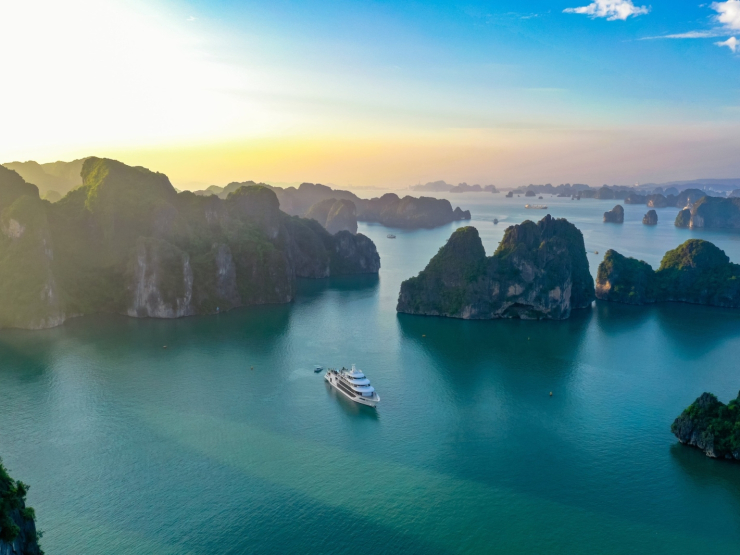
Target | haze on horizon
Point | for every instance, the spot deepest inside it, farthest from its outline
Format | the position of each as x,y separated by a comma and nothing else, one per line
377,93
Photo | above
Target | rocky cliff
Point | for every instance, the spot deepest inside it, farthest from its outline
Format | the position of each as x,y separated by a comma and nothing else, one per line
711,426
18,534
711,213
695,272
539,271
127,242
615,215
335,215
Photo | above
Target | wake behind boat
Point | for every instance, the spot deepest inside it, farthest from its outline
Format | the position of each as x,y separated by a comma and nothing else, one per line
354,385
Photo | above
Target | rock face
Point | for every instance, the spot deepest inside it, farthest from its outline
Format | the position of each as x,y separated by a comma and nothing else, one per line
539,271
683,218
615,215
126,242
711,213
711,426
18,534
651,218
335,215
696,272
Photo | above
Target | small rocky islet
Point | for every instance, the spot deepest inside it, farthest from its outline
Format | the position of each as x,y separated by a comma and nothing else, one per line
615,215
651,218
712,426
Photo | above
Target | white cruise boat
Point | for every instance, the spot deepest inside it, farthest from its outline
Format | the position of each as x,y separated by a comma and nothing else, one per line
354,385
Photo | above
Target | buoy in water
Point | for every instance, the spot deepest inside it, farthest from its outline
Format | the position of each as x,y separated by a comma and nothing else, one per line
423,335
551,394
164,346
252,368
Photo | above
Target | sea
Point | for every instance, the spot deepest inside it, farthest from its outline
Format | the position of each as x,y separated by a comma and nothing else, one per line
507,436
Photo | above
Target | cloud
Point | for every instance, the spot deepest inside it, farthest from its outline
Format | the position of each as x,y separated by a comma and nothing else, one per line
691,35
729,13
732,43
191,18
614,10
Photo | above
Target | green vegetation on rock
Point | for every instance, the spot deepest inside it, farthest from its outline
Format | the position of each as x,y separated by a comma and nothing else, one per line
625,280
18,533
127,242
539,271
710,425
695,272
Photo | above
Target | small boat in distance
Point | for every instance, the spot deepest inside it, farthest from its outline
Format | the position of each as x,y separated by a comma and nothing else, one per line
495,220
317,369
354,385
536,206
391,236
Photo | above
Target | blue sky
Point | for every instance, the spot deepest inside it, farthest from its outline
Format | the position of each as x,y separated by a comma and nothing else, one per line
503,91
496,44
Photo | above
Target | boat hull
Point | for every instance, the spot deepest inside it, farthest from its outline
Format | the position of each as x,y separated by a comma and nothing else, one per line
333,381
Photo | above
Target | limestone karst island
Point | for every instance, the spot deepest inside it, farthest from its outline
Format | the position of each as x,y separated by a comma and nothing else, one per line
349,278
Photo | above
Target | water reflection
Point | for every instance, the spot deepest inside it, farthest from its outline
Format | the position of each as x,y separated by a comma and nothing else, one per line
351,408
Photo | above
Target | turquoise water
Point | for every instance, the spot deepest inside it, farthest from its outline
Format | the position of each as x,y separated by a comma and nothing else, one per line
132,448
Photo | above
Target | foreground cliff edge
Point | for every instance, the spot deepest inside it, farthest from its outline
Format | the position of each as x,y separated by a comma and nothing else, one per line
18,534
696,272
710,425
539,271
126,242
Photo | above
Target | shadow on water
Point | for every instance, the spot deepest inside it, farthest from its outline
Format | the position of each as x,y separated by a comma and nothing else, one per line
351,408
310,290
707,473
113,336
694,330
544,348
617,318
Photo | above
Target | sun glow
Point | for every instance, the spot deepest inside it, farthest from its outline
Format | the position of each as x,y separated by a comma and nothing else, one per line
86,72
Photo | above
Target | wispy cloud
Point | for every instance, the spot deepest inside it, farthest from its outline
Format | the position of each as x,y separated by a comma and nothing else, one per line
732,43
613,10
692,35
729,13
191,18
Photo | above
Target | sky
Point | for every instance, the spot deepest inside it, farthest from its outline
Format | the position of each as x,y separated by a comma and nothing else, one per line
373,93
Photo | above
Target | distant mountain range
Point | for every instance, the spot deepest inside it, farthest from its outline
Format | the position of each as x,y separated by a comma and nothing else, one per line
729,184
59,177
444,187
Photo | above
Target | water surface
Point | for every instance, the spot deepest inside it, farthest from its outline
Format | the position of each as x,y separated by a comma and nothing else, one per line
227,442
